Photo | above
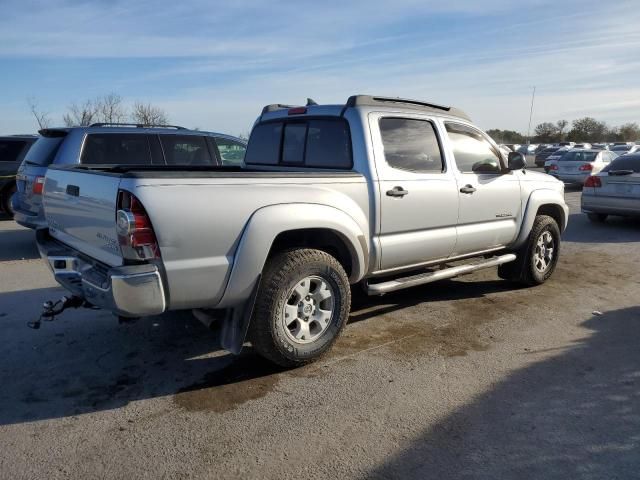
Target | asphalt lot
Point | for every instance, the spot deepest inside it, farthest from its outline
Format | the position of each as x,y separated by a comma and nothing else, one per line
470,378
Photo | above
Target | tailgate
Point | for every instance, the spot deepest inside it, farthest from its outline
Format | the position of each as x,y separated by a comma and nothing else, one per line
80,209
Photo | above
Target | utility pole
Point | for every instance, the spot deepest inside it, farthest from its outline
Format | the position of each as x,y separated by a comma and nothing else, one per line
533,96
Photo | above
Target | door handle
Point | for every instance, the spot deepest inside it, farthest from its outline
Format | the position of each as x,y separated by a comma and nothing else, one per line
397,192
467,189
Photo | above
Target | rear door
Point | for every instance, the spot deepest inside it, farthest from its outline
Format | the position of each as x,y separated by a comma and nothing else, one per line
490,205
418,195
80,209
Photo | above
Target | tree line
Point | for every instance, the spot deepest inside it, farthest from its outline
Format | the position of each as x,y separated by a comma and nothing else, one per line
585,129
108,108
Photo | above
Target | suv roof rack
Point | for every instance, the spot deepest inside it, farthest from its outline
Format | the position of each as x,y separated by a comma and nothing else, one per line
137,125
376,101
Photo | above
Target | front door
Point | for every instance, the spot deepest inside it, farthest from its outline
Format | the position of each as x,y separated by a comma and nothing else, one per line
490,205
418,193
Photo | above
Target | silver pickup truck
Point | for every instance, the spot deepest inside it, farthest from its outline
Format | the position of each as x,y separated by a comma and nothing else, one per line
383,193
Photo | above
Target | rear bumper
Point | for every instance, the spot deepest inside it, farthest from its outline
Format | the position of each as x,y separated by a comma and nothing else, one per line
610,205
572,177
25,218
130,291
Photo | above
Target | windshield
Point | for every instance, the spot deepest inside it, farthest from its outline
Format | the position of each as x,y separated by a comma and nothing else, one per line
44,150
586,157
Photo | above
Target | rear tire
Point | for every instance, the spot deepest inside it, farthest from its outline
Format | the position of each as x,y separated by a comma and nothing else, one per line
5,198
302,306
597,217
538,257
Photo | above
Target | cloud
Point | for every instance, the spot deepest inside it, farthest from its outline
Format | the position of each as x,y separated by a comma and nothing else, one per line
214,66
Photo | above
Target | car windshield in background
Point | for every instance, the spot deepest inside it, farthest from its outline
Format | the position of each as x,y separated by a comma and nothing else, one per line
627,162
586,157
10,150
43,151
550,150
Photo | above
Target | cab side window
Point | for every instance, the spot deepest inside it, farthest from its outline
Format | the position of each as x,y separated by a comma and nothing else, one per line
411,144
472,151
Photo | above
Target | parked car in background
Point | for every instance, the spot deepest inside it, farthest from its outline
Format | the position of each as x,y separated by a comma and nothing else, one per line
329,196
582,145
600,146
551,162
13,148
613,191
576,166
527,149
566,144
622,148
110,144
542,156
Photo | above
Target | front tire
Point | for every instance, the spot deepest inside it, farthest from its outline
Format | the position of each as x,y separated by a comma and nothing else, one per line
537,259
5,198
302,306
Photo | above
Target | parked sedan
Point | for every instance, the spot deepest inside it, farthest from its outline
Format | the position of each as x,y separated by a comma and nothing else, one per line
613,191
621,149
542,156
552,160
576,166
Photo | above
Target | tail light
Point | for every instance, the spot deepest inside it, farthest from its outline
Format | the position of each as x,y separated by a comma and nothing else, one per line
38,185
587,167
593,181
135,232
553,167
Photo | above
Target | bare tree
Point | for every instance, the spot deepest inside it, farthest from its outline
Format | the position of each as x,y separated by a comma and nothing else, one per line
41,117
147,114
81,115
110,109
562,125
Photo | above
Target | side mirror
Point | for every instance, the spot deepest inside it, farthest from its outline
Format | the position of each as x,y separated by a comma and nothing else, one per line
516,161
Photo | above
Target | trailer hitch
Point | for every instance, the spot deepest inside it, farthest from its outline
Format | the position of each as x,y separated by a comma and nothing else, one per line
51,309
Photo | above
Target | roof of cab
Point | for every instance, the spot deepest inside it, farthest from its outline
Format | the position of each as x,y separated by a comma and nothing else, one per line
372,101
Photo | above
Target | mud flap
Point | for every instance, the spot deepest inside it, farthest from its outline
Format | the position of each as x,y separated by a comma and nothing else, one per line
235,324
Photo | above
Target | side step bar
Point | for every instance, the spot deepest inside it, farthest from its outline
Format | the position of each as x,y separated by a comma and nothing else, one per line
422,278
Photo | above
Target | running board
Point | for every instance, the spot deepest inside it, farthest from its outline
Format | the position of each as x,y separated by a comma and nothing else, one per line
422,278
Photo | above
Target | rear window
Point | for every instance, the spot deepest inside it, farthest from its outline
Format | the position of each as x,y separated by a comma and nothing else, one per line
321,143
186,150
586,157
626,162
550,150
44,150
620,148
10,150
116,149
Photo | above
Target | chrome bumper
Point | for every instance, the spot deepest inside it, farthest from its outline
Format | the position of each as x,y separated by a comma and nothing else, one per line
130,291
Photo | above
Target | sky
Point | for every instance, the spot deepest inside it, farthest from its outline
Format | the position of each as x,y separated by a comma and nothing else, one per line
214,65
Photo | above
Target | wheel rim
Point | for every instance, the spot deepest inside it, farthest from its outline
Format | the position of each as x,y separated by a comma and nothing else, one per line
309,309
544,253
